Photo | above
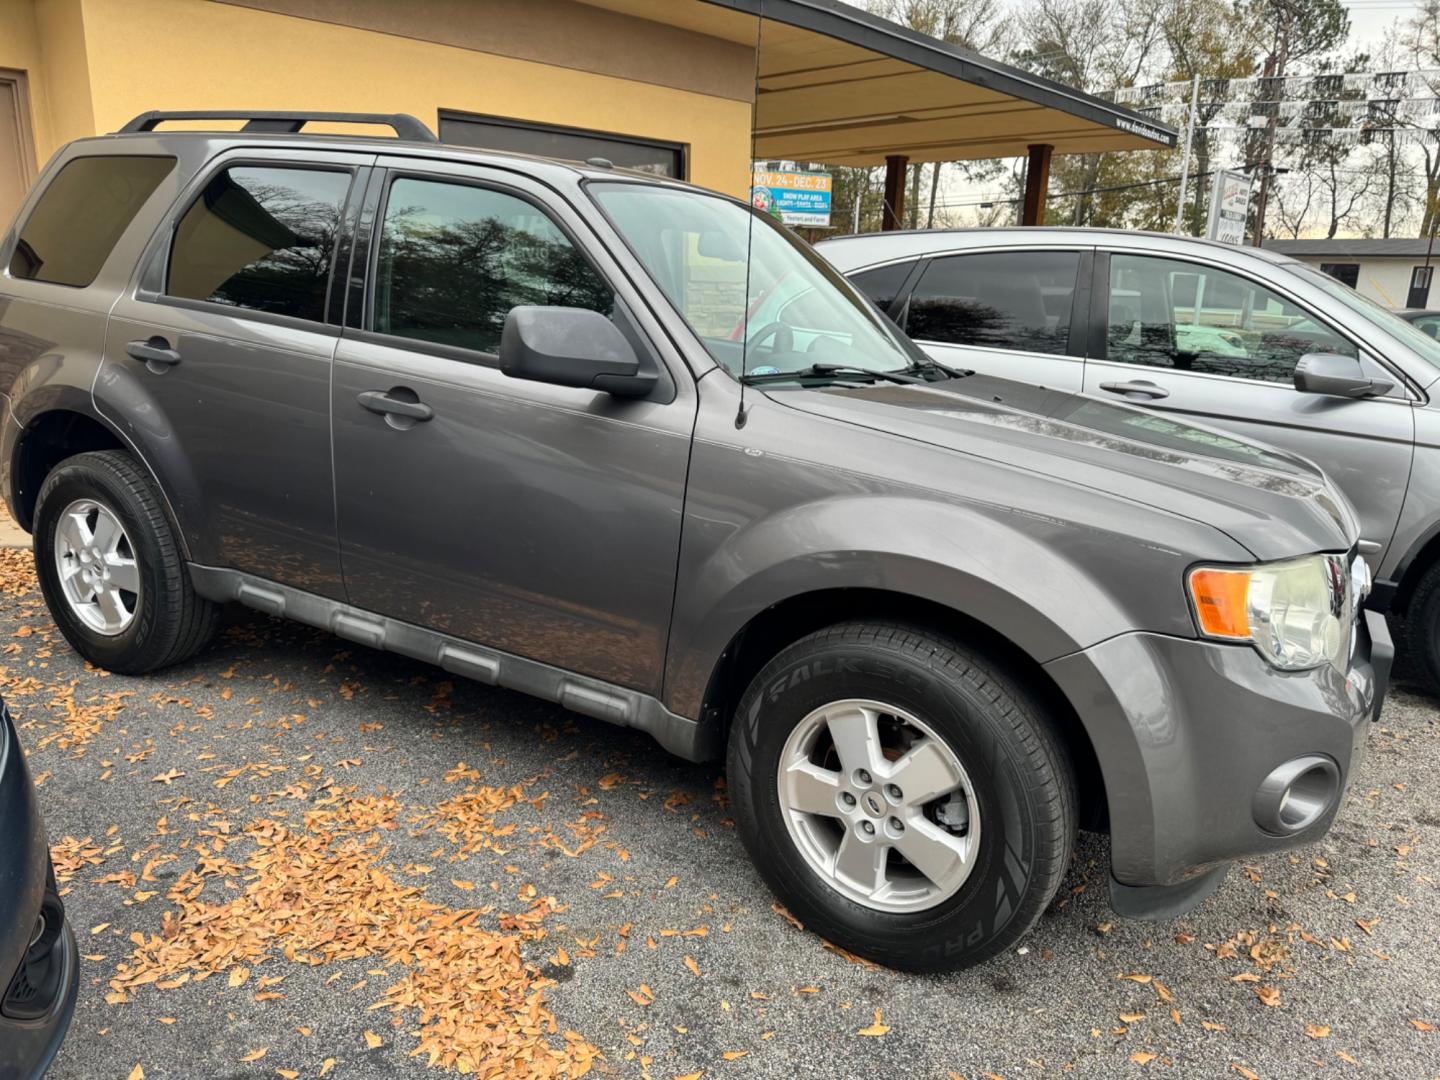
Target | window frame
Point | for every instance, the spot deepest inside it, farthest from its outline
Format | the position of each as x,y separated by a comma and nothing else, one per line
155,261
679,149
359,326
1075,345
1405,390
10,240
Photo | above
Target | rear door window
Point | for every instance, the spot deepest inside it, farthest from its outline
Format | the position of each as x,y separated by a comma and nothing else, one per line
262,238
80,216
1016,300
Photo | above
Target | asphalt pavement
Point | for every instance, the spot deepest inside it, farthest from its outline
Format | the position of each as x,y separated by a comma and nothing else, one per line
320,817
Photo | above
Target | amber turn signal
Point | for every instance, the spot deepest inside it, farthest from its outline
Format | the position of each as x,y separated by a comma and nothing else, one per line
1222,602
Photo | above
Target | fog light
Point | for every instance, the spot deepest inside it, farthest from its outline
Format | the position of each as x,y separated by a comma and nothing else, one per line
1297,794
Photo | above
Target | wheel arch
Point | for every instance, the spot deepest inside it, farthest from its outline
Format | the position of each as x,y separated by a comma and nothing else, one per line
769,631
49,431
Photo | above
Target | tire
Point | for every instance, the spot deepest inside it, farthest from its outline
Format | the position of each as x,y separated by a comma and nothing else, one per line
159,622
1016,779
1419,628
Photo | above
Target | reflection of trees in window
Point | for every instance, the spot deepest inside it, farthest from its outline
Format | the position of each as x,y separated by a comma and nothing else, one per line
455,282
254,241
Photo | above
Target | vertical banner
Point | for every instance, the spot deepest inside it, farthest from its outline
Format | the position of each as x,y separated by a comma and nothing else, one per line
1229,205
796,198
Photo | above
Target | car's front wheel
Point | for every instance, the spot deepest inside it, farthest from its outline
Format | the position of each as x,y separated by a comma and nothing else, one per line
901,795
110,567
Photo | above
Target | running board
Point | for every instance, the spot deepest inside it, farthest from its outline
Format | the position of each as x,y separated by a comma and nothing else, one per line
591,697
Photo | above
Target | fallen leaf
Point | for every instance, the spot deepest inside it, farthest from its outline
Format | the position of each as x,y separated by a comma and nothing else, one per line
693,966
1140,1057
1318,1031
372,1040
1269,996
326,1066
735,1055
136,1073
1421,1025
875,1030
1246,1073
256,1055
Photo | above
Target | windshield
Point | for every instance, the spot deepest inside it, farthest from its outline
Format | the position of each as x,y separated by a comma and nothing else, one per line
790,310
1419,342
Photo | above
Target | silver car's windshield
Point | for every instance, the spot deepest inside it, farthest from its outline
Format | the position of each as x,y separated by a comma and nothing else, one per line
1419,342
751,292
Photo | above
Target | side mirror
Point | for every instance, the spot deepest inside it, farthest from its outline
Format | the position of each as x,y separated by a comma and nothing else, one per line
1342,376
571,347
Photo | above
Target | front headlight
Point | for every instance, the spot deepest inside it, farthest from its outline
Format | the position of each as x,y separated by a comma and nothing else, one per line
1297,614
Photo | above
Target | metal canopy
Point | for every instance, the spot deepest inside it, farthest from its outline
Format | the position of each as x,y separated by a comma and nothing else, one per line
842,87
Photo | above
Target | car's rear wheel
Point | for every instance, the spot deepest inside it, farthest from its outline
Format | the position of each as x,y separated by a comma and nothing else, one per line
902,796
110,567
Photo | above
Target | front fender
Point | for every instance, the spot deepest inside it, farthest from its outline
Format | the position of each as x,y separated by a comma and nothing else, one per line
1051,588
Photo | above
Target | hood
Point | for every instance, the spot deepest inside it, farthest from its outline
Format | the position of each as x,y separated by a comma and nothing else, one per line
1275,504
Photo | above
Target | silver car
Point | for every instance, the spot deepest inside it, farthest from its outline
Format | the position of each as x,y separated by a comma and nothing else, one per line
1247,339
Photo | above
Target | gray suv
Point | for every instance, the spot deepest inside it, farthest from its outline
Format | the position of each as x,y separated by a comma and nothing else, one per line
628,446
1256,342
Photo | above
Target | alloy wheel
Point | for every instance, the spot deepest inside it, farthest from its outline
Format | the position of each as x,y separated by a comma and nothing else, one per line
95,560
879,805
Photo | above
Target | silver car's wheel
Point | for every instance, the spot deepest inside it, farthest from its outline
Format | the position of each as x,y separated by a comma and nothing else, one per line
95,564
879,805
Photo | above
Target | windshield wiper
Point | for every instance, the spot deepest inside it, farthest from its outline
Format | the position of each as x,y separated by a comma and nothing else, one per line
825,371
945,369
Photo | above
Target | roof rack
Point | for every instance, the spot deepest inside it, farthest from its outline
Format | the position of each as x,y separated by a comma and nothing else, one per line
404,125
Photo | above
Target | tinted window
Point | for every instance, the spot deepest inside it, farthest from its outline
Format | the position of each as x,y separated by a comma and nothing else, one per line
1003,300
883,283
570,144
1348,273
455,259
1166,313
81,215
260,238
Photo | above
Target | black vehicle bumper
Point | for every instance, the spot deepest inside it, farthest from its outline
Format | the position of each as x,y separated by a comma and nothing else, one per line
39,962
1210,754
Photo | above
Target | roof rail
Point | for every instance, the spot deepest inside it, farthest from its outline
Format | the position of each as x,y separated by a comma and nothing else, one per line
404,125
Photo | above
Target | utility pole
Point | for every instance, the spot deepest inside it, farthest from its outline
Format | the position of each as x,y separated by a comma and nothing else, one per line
1185,158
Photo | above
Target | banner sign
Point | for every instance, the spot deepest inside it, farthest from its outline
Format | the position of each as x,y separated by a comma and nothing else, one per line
796,198
1229,205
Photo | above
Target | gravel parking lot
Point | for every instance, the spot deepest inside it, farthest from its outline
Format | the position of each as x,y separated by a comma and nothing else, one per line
298,857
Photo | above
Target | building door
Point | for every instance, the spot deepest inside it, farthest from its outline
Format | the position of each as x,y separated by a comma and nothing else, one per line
17,152
1419,287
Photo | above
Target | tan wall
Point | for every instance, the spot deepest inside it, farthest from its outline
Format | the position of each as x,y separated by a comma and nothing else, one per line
104,61
46,40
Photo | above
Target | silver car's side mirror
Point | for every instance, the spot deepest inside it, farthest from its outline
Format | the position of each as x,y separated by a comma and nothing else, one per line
1339,376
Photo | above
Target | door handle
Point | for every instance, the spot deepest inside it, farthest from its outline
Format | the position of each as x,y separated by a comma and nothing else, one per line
1136,390
380,401
156,353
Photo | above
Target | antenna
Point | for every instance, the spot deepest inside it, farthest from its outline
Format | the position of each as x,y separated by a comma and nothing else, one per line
740,416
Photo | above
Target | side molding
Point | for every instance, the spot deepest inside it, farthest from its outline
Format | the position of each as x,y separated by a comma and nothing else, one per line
592,697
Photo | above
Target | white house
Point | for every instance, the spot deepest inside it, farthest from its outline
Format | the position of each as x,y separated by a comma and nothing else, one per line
1395,272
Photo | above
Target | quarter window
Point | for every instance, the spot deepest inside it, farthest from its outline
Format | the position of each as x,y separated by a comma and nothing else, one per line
1017,300
260,238
1172,314
454,259
79,218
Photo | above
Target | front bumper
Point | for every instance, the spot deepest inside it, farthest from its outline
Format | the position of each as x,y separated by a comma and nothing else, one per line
1186,731
38,984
